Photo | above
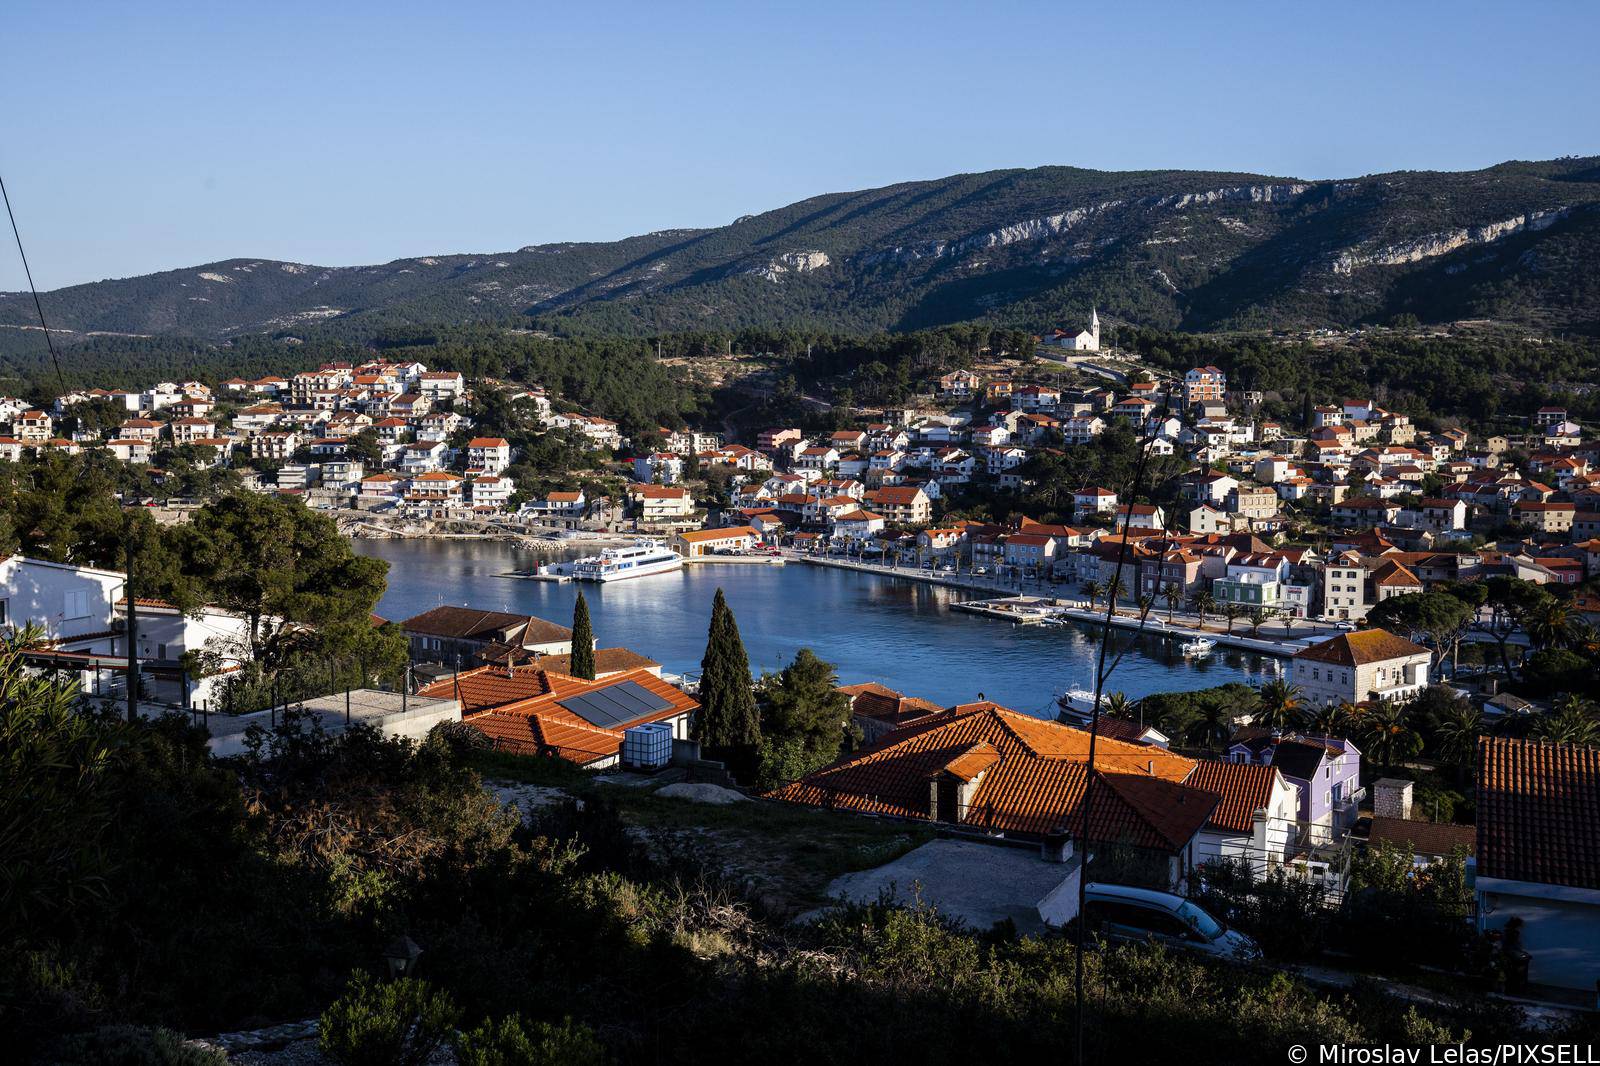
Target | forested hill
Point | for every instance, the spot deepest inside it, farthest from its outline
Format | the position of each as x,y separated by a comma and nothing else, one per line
1029,248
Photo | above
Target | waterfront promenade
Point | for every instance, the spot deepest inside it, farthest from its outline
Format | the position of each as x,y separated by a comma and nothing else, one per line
1274,638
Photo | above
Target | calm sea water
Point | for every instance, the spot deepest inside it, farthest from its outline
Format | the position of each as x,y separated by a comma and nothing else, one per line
892,630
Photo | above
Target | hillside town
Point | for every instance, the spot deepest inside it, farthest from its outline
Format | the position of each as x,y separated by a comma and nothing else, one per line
1253,518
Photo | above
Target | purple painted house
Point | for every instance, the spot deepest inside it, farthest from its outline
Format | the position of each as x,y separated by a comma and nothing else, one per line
1325,772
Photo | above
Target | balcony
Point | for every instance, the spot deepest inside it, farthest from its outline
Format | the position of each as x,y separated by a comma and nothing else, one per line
1398,693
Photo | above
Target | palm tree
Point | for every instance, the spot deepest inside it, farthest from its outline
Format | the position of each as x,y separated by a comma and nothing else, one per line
1146,601
1573,721
1549,625
1214,726
1173,594
1456,728
1117,705
1258,616
1572,703
1331,720
1584,639
1388,733
1279,708
1569,729
1231,611
1203,602
1114,590
1093,590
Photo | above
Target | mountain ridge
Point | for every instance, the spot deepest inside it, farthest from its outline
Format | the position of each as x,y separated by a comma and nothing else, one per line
1197,250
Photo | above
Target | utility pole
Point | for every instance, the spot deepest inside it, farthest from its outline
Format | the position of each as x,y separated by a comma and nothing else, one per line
133,628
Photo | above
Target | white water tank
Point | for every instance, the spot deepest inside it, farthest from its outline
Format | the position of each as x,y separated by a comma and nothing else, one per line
647,747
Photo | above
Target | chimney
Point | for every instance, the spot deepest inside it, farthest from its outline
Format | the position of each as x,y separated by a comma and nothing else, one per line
1056,846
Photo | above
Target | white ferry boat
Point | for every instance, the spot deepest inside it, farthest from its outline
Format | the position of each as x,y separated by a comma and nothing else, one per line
640,559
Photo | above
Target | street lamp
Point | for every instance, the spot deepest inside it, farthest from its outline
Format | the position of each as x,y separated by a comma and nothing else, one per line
401,955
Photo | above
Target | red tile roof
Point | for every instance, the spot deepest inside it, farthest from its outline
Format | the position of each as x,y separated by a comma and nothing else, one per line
1359,648
872,700
1242,788
1032,785
699,536
539,725
1539,812
1423,838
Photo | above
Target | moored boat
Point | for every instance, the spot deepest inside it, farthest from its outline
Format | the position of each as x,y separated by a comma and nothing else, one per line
640,559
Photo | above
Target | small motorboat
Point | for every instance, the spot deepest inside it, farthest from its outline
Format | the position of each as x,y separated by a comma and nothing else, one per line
1197,647
1076,705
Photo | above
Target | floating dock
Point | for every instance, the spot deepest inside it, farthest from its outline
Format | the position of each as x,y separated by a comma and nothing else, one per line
555,575
1021,610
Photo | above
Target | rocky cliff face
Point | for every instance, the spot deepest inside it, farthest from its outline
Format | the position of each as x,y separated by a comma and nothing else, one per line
777,268
1251,194
1437,244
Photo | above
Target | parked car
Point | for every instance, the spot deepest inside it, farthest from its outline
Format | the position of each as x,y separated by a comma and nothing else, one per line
980,569
1125,913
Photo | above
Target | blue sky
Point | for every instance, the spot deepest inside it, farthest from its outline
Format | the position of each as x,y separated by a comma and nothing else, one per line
140,137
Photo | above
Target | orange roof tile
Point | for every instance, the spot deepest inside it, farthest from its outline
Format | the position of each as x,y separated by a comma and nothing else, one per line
1033,785
1359,648
541,725
695,536
1539,812
1243,788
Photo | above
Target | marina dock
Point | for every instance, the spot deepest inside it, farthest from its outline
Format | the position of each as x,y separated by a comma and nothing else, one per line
1043,610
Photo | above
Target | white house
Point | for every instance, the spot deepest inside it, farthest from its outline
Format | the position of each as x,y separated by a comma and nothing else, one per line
1356,667
488,455
491,490
441,384
857,524
1255,822
664,468
82,609
68,602
660,503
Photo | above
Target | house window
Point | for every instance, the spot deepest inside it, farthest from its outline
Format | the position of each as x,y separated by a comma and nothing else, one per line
5,612
75,604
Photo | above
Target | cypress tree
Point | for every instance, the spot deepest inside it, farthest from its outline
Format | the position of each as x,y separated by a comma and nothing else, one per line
727,720
582,641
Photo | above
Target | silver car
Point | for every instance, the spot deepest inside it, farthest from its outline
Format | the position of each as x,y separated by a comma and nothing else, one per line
1126,913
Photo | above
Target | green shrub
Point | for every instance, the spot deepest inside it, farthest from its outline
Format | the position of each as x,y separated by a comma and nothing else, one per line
398,1023
1286,914
130,1045
514,1042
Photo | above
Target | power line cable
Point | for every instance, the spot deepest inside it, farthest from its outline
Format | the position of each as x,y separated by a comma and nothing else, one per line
1101,674
28,272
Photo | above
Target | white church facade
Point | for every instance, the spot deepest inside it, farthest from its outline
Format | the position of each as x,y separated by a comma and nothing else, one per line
1086,340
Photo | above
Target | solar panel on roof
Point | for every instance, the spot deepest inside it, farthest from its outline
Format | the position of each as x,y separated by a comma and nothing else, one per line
615,706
